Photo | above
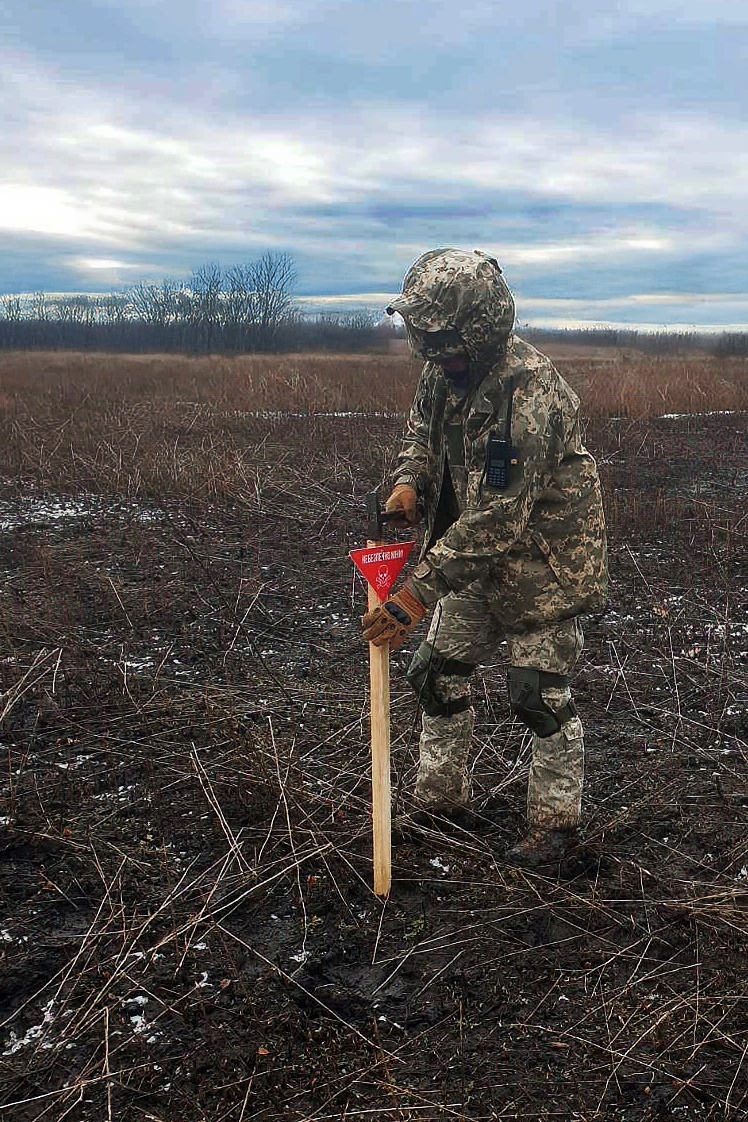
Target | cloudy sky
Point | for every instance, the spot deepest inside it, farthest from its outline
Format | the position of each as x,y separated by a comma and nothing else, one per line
599,150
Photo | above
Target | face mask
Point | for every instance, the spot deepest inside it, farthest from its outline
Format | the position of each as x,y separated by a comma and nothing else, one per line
433,345
460,381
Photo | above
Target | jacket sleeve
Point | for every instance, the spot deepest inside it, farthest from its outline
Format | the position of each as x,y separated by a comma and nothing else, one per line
485,531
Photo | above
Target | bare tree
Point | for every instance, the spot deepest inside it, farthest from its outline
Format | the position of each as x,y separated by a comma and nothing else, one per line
273,278
241,297
206,286
12,307
40,307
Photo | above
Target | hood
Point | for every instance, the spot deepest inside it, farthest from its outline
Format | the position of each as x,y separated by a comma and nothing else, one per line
455,289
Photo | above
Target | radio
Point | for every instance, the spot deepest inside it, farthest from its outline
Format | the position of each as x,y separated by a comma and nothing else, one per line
499,458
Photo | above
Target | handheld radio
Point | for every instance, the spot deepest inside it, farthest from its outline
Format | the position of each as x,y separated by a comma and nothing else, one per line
500,455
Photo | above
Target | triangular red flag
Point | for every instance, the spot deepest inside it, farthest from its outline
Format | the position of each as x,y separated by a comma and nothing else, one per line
380,564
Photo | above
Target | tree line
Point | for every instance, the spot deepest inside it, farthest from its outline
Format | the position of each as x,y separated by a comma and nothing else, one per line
251,307
725,344
248,307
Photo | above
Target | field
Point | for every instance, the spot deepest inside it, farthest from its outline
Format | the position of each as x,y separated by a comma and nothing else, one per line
187,927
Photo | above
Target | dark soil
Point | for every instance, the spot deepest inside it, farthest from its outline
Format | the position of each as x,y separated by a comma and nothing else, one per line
187,924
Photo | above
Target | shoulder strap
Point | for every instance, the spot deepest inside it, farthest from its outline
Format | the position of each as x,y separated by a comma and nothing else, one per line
508,422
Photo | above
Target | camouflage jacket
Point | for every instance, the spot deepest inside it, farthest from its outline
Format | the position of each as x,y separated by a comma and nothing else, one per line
552,506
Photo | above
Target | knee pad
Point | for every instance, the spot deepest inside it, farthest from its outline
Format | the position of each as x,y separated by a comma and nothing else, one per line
527,702
422,672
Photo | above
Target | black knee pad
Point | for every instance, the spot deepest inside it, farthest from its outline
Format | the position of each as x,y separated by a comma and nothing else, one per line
426,664
526,699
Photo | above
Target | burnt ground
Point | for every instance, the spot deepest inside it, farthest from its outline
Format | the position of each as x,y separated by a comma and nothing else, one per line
187,926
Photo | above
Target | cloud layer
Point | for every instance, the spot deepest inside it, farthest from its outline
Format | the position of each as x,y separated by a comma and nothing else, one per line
601,158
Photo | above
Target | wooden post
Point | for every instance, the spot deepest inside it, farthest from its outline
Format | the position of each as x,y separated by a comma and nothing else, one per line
381,799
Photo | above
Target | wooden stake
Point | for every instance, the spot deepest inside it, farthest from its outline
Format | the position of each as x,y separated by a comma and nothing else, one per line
381,798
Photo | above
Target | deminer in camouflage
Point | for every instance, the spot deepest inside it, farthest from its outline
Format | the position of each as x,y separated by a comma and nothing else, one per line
514,545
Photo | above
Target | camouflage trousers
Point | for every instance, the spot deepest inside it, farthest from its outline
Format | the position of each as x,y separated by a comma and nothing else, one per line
465,627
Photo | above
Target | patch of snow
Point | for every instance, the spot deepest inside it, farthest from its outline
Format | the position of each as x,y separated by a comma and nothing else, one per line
145,662
31,510
437,863
708,413
280,414
15,1042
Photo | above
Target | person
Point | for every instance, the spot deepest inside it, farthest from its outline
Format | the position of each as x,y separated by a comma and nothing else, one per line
514,547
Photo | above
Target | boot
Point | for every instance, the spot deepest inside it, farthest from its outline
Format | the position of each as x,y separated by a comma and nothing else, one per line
544,845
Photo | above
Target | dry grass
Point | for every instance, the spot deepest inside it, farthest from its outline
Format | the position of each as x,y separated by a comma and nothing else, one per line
630,384
158,425
139,427
613,383
257,383
149,425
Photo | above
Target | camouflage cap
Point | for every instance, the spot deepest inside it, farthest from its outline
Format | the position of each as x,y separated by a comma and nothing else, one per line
458,289
421,313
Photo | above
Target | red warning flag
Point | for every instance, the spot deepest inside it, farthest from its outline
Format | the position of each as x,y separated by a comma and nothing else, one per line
381,564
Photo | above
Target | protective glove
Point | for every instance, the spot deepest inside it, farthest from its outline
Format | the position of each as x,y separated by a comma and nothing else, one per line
404,500
392,621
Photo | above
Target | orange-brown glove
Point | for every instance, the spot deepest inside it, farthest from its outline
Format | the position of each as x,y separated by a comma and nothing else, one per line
392,621
404,501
